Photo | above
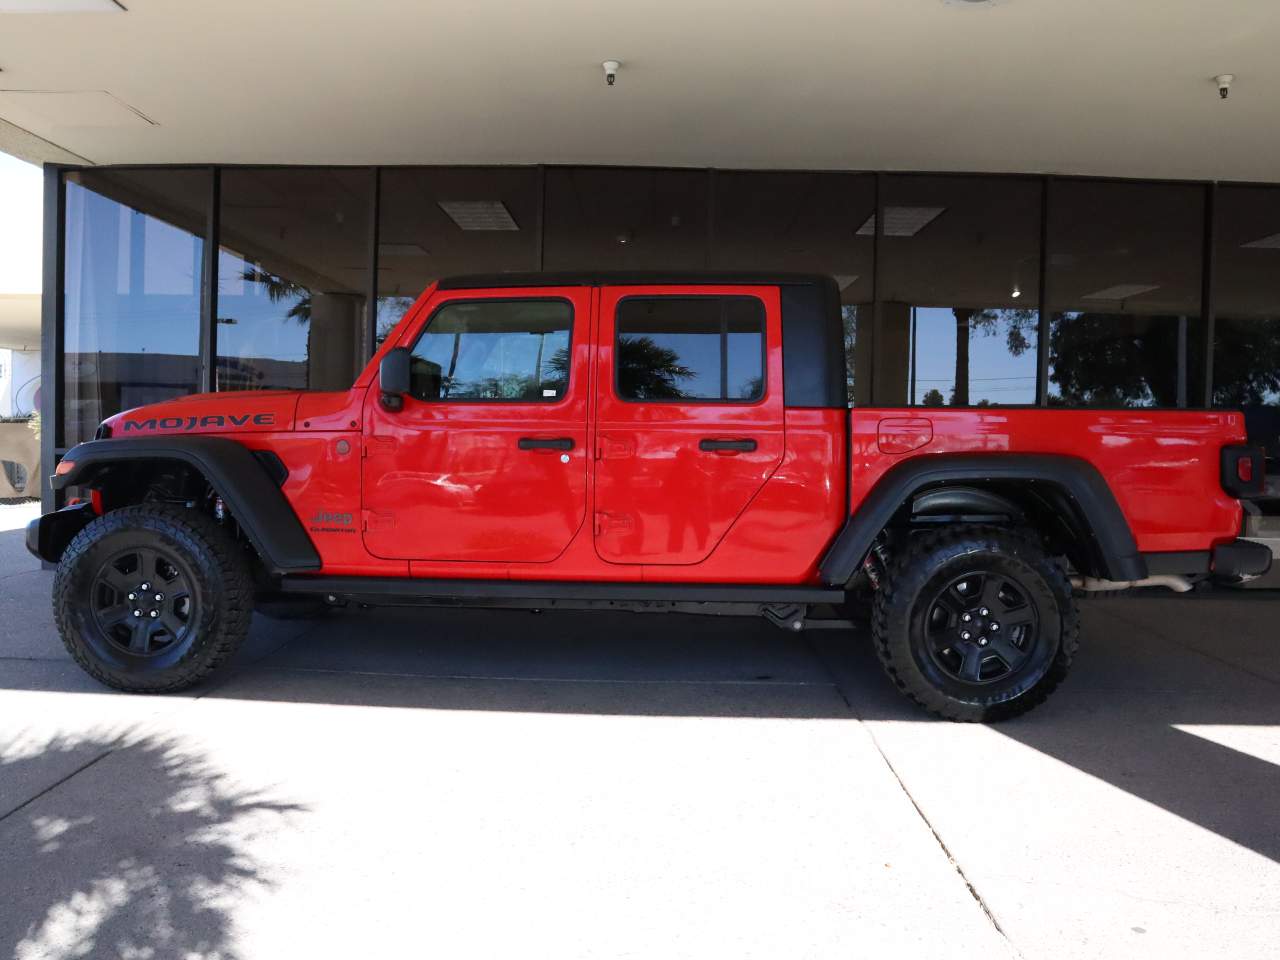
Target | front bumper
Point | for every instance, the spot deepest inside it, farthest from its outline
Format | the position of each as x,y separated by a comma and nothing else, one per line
48,536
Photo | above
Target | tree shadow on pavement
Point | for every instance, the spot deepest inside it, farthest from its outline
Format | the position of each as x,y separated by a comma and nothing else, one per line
143,854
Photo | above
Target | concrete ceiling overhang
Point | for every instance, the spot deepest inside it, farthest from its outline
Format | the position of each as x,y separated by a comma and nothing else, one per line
20,321
1087,86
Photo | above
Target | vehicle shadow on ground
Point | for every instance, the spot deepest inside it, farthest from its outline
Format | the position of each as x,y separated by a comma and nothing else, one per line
1121,717
82,889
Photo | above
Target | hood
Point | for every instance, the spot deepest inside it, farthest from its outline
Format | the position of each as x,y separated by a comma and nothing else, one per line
248,411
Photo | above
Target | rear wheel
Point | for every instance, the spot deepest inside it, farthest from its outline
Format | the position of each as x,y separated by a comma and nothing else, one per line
152,598
975,623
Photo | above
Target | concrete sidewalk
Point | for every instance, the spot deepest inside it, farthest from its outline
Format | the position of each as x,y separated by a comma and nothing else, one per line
470,784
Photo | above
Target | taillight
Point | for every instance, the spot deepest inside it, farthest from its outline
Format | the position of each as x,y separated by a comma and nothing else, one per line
1243,470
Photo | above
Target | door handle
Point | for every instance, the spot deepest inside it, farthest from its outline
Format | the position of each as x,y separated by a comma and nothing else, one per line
711,445
546,443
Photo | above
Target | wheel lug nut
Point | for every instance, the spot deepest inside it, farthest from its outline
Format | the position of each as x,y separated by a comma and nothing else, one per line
159,597
984,611
137,613
995,626
156,613
967,617
982,641
146,586
133,596
965,634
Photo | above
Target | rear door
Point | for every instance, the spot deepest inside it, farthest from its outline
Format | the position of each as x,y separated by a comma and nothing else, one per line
690,416
487,460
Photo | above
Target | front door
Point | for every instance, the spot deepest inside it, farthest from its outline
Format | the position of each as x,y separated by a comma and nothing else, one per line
690,423
487,460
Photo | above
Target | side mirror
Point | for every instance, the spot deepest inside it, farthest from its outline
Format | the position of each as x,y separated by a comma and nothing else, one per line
393,378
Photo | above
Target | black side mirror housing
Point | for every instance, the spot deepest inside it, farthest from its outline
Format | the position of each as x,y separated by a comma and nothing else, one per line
393,378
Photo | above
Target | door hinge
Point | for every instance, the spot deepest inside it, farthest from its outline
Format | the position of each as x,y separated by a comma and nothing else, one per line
611,521
615,448
377,445
374,521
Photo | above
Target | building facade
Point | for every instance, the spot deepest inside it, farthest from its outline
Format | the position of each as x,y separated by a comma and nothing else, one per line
1022,202
958,289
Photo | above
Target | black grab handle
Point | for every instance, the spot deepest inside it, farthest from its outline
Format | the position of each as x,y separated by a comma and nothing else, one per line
543,443
737,446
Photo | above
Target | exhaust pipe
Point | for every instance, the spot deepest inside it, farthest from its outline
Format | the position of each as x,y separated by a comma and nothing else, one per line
1174,582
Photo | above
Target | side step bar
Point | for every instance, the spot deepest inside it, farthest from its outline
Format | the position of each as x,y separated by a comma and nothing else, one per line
408,589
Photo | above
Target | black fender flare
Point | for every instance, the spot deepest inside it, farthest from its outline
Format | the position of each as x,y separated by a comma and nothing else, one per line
1097,514
236,475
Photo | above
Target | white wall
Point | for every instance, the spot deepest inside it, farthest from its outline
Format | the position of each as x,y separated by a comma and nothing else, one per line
19,382
21,222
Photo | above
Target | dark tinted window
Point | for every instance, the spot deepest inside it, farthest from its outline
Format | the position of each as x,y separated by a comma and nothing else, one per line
1124,264
495,350
1246,354
436,222
603,219
694,348
134,261
805,223
293,278
960,291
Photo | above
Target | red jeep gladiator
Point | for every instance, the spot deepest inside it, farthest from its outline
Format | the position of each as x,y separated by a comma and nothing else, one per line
653,444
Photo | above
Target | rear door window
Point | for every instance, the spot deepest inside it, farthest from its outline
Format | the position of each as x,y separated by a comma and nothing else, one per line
701,349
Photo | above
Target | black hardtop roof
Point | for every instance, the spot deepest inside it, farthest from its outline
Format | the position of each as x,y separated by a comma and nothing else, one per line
630,278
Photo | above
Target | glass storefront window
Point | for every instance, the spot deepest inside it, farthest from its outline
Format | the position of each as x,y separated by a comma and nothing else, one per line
609,219
437,222
1124,264
132,283
805,223
293,278
948,317
1246,354
959,291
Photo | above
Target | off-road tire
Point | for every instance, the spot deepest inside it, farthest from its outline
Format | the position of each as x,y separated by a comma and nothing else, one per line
216,574
904,619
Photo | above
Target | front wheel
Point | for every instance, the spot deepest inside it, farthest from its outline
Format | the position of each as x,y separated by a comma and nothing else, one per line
152,598
975,623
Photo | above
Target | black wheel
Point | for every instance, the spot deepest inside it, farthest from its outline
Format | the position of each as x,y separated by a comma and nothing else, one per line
975,623
152,599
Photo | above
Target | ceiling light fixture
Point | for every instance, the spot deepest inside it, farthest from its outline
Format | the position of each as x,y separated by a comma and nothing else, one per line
479,214
901,221
62,6
1224,81
402,250
610,71
1121,291
1264,243
1016,292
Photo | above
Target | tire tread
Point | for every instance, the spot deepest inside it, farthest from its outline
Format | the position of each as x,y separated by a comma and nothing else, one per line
907,573
210,544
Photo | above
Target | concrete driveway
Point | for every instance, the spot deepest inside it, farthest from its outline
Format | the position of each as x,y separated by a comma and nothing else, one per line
464,784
